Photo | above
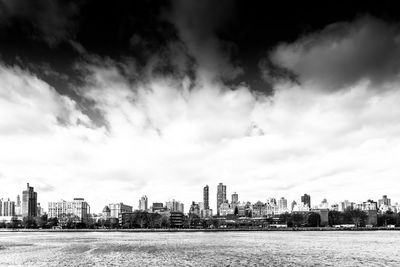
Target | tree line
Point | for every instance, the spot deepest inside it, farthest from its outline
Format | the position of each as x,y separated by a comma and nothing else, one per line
143,219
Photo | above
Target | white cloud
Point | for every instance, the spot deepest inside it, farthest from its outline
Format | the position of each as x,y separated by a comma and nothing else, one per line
167,138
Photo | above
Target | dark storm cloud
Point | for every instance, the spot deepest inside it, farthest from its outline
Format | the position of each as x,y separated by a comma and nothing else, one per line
343,54
198,23
50,20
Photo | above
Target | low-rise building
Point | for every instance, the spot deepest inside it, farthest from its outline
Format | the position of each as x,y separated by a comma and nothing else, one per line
78,207
225,209
176,219
206,213
194,209
118,208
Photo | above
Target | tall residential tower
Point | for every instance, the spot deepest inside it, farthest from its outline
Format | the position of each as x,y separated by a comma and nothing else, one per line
205,197
29,202
221,195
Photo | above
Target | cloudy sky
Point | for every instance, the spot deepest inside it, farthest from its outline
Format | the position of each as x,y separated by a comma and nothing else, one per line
112,101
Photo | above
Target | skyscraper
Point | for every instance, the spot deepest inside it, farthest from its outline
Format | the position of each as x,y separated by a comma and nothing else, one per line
205,197
221,195
235,198
282,204
292,205
306,200
7,208
29,202
18,206
143,203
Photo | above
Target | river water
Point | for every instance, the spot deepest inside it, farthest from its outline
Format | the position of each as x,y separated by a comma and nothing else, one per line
370,248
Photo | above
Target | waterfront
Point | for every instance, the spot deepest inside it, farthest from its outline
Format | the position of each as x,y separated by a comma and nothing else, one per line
377,248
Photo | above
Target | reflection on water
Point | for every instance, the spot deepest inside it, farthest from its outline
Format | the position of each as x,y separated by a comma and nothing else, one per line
201,249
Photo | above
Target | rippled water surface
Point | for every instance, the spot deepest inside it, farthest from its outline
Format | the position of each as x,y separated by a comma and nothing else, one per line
201,249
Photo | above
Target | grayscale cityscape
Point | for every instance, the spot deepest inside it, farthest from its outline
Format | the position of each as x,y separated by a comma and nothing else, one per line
27,212
199,133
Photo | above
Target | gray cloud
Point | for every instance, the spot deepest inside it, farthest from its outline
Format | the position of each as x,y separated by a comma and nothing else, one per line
51,19
343,54
197,23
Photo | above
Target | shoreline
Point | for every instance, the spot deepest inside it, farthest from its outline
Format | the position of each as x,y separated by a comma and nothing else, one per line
297,229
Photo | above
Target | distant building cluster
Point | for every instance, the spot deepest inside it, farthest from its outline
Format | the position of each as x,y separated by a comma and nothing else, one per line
78,210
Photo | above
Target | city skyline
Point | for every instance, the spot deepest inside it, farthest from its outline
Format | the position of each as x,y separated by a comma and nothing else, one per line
30,200
267,100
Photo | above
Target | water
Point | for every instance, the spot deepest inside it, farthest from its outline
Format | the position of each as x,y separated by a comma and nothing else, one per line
379,248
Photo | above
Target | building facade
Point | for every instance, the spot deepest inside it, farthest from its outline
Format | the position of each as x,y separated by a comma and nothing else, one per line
282,205
176,219
306,200
206,195
78,207
221,196
18,206
143,202
384,201
118,208
235,198
157,206
29,202
194,209
7,208
175,206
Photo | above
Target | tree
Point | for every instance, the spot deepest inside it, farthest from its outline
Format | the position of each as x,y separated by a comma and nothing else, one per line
28,222
236,212
335,217
387,219
357,216
14,222
69,220
214,222
89,222
41,221
154,220
52,222
284,218
165,222
297,219
313,219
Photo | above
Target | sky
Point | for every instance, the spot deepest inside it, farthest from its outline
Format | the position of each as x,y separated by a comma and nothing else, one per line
112,101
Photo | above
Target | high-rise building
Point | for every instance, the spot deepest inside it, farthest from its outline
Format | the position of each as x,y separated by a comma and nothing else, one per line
174,206
282,204
39,210
306,200
143,203
117,209
206,197
221,195
293,205
194,208
235,198
29,202
7,207
78,207
18,206
384,201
